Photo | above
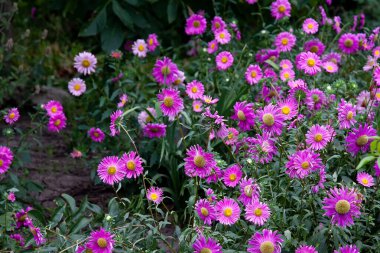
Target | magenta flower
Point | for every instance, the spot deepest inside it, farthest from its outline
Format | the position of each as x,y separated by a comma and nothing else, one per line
365,179
77,87
171,103
152,42
12,116
272,119
123,100
309,62
205,211
333,57
144,117
37,235
286,64
154,130
85,63
196,24
115,116
306,249
96,134
267,241
262,148
218,24
314,46
348,43
224,60
203,245
347,249
315,99
53,108
212,47
154,194
330,67
101,241
140,48
223,36
346,115
257,213
132,164
287,75
57,123
198,162
302,163
165,71
197,105
310,26
253,74
342,205
18,238
280,9
358,139
243,112
377,169
232,175
376,76
249,191
111,170
195,90
22,219
209,100
285,41
228,211
362,100
232,136
318,137
11,197
289,108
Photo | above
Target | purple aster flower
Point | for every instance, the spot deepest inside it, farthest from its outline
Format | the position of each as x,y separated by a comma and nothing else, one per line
115,116
318,137
253,74
306,249
314,46
262,148
205,211
228,211
165,71
348,43
346,115
267,241
285,41
309,62
347,249
198,162
358,139
111,170
310,26
196,24
101,241
302,163
249,191
154,130
272,119
224,60
257,213
232,175
85,63
171,103
244,113
209,245
12,116
315,99
6,158
280,9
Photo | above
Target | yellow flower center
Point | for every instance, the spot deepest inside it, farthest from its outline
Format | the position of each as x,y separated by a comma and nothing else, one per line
348,42
258,212
197,107
267,247
286,75
111,170
224,59
268,119
285,110
1,162
204,211
314,49
199,161
378,95
350,115
227,212
77,87
217,25
253,74
96,134
57,122
150,41
230,136
23,218
194,90
310,26
285,66
207,100
330,68
196,24
54,109
165,70
12,115
212,45
141,48
248,191
241,115
154,196
102,243
342,206
284,41
148,119
232,177
222,35
318,137
362,140
305,165
86,63
311,62
365,181
206,250
131,165
281,9
168,101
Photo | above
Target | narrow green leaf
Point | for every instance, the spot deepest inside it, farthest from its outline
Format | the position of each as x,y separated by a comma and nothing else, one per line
365,160
122,14
172,11
71,201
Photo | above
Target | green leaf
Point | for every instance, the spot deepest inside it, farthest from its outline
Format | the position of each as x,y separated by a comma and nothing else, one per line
274,65
71,201
57,216
133,2
112,36
97,25
172,10
37,215
365,160
122,14
83,222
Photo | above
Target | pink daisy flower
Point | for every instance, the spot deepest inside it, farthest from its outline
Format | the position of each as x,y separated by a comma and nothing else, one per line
309,62
333,57
286,64
376,52
152,42
232,136
223,37
37,235
18,238
116,54
342,205
140,48
218,24
330,67
111,170
196,24
272,119
315,99
57,123
212,47
154,194
22,218
154,130
267,241
205,211
376,76
314,46
165,71
198,162
362,100
101,241
228,211
96,134
358,139
6,158
53,108
232,175
285,41
123,100
179,79
289,108
346,115
348,43
365,179
132,164
257,213
310,26
347,249
265,54
209,100
195,90
318,137
85,63
115,116
77,87
249,191
302,163
144,117
12,116
280,9
253,74
224,60
262,148
171,103
306,249
286,75
11,197
243,112
203,245
197,105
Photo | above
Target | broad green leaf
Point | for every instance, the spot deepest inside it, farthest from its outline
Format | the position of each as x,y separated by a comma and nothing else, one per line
71,201
172,10
97,25
365,160
82,223
122,14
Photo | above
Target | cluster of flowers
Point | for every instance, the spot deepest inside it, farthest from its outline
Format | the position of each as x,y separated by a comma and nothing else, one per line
57,118
140,47
24,221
